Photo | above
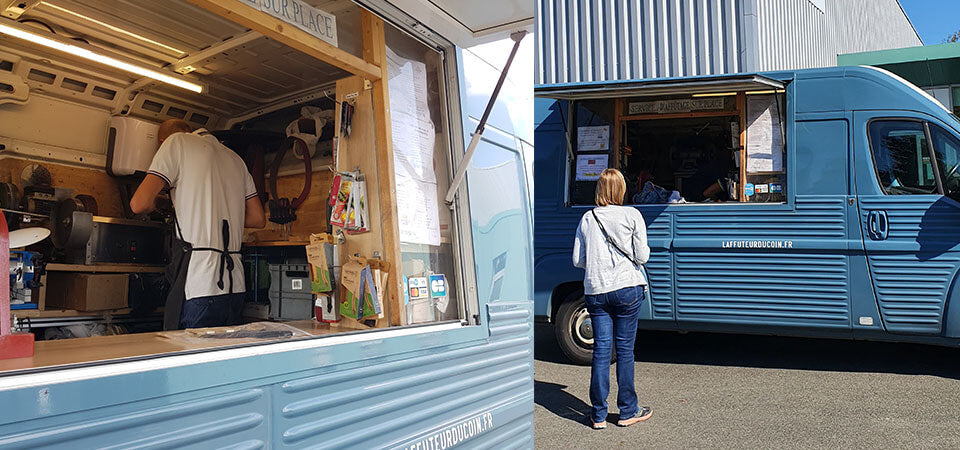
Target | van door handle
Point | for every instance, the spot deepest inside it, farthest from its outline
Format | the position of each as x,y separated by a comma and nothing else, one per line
883,224
877,225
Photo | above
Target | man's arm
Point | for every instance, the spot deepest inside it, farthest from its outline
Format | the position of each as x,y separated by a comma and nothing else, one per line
143,199
253,214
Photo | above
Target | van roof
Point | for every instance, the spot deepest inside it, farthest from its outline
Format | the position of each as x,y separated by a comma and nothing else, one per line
845,88
659,86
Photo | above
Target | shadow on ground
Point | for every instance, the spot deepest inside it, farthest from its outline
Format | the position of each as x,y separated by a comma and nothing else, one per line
777,352
558,401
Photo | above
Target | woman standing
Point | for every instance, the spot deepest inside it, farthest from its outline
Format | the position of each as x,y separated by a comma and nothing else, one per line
611,245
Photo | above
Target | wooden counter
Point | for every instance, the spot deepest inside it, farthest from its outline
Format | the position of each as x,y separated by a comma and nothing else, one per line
103,348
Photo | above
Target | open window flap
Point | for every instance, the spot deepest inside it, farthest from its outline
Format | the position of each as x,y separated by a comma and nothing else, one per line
468,23
658,87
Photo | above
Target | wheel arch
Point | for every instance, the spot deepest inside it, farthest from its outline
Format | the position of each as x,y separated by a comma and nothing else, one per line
562,293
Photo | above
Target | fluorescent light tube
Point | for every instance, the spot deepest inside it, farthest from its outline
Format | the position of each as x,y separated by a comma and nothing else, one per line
103,59
180,53
714,94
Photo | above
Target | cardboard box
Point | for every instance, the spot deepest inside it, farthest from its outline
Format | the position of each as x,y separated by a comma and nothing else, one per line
86,291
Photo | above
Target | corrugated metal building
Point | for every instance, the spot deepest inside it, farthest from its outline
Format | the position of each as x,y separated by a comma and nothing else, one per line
589,40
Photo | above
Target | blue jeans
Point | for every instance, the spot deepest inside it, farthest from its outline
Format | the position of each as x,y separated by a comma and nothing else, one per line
614,319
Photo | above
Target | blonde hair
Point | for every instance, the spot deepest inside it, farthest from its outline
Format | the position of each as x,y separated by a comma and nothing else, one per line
611,188
171,126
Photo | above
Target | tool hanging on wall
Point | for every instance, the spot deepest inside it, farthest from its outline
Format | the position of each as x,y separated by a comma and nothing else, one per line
346,117
283,211
309,126
252,146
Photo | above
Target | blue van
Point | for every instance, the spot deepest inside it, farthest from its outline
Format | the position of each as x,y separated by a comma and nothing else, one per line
819,202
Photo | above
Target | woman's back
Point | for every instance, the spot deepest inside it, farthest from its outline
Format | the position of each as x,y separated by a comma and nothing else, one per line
606,268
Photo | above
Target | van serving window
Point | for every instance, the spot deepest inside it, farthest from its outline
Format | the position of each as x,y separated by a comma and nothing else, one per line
384,253
681,148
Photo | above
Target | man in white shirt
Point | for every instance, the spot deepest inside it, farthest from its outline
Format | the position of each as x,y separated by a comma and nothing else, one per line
214,198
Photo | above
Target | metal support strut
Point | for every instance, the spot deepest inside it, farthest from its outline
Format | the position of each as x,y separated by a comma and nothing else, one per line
462,167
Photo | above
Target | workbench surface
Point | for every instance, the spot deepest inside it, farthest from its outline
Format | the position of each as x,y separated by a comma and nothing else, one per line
104,348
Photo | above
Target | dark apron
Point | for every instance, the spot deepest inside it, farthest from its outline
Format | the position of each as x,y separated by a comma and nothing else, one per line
176,272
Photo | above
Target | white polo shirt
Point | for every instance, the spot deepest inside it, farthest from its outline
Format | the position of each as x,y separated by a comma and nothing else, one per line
209,183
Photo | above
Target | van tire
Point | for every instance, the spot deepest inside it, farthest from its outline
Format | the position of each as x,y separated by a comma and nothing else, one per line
572,341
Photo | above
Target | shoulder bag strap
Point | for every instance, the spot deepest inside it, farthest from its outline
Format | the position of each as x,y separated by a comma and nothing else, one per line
611,241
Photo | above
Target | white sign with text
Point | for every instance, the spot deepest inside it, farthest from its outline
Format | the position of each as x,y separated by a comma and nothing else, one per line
318,23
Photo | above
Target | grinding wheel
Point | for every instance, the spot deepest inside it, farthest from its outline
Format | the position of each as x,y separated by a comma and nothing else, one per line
72,225
9,196
35,175
89,204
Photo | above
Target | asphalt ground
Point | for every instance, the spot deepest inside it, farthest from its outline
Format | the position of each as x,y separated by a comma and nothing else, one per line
738,391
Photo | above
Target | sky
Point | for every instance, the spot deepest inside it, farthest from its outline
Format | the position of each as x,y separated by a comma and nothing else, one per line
934,20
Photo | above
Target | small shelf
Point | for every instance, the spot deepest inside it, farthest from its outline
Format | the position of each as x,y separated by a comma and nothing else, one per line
66,312
104,268
276,244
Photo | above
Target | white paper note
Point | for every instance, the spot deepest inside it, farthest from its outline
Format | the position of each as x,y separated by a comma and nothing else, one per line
413,137
593,138
764,138
412,130
418,211
590,166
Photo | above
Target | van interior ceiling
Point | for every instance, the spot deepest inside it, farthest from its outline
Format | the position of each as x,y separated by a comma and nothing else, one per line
63,117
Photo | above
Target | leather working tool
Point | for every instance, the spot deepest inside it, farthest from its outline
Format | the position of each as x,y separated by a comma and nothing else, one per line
283,211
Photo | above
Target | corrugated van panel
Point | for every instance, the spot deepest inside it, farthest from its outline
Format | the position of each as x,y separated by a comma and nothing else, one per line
237,418
382,402
815,217
764,286
912,269
771,288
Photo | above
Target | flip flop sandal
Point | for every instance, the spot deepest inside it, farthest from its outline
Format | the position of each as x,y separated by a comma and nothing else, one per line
644,414
599,425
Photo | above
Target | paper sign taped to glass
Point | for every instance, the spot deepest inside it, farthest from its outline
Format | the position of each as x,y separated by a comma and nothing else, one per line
414,146
589,166
418,211
764,135
593,138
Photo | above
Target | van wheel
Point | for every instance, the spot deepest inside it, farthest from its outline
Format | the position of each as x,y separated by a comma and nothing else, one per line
575,331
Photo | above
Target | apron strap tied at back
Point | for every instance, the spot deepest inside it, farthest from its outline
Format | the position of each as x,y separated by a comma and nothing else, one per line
226,261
